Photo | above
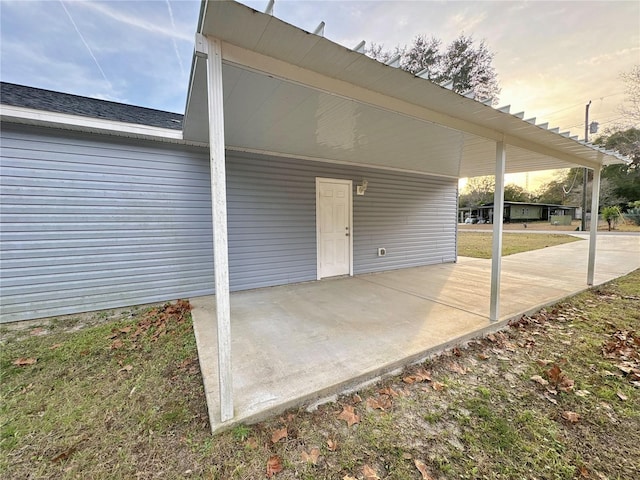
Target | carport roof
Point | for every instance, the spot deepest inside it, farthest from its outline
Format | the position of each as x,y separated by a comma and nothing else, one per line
293,93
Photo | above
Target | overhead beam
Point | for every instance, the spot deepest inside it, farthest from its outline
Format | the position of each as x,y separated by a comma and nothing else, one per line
496,255
219,222
593,231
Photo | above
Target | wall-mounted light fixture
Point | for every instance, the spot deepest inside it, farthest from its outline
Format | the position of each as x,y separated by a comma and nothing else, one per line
360,189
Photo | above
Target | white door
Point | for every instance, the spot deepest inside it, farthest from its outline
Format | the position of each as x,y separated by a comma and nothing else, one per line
333,222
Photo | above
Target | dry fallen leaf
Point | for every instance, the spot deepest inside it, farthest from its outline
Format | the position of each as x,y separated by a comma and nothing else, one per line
279,435
422,468
126,368
539,379
388,391
584,473
382,402
572,417
438,386
332,445
64,455
312,456
22,362
274,465
622,396
54,346
348,477
252,443
455,367
369,473
483,356
356,399
116,344
349,415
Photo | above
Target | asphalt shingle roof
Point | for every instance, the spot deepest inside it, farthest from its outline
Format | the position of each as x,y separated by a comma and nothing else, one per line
50,101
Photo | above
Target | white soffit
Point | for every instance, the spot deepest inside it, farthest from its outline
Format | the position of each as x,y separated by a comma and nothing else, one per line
291,92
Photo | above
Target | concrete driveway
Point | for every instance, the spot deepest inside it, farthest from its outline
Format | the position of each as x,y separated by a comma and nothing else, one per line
293,345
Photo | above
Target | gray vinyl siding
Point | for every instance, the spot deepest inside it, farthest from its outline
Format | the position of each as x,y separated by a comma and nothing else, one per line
272,229
90,223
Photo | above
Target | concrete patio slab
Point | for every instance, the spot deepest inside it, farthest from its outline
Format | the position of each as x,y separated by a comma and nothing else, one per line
295,344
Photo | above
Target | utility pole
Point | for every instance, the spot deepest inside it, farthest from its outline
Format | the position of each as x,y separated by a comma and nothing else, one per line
585,172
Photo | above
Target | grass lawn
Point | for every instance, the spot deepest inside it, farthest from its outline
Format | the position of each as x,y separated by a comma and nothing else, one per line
554,397
478,244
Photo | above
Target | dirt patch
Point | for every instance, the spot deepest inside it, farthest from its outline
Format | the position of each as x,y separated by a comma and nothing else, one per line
69,323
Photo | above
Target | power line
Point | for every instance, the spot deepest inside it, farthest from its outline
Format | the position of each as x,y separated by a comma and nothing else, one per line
580,104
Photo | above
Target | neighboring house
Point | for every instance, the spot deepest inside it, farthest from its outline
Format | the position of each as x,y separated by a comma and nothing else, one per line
325,161
518,212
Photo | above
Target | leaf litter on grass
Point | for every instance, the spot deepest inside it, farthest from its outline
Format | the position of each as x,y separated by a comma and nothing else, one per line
443,423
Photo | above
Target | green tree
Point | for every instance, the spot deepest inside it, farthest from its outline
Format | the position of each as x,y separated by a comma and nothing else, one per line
424,53
611,215
469,68
554,192
467,65
624,178
515,193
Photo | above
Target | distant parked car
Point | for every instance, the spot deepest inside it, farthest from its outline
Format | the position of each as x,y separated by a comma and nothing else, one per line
471,219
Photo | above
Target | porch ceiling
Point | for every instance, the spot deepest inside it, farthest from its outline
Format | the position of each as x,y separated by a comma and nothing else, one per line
289,92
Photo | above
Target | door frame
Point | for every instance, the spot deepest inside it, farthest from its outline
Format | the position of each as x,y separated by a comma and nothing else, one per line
320,180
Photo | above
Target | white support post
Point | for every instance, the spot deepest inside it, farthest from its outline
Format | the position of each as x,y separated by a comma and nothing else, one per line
219,221
593,231
498,209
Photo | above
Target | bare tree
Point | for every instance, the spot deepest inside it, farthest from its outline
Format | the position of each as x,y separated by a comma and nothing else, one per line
631,108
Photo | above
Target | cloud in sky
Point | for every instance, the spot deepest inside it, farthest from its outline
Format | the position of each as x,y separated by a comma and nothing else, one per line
123,51
551,57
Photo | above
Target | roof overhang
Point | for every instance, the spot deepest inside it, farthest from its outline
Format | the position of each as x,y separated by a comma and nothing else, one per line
79,123
293,93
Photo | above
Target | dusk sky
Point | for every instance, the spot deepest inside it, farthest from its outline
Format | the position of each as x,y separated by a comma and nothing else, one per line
551,57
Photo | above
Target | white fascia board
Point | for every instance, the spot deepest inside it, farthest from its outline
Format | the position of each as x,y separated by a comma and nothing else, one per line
268,153
10,113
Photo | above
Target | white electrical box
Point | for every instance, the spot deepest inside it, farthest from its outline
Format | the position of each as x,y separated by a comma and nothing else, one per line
382,251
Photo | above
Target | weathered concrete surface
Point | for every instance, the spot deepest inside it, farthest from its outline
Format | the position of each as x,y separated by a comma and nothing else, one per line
294,344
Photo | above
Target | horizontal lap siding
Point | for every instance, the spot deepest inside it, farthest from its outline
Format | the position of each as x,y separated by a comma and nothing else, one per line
272,229
90,223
